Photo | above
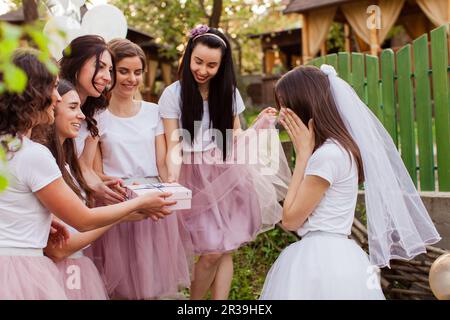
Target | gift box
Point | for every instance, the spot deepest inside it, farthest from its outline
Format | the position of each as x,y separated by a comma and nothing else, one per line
145,180
180,194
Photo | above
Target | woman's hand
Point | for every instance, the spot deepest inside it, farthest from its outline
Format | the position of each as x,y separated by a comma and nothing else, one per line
302,137
59,234
267,114
104,193
154,205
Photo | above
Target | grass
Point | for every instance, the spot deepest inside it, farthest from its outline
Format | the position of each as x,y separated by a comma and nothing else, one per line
252,262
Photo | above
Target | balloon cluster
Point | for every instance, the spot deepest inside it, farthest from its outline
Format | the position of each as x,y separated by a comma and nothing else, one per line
66,23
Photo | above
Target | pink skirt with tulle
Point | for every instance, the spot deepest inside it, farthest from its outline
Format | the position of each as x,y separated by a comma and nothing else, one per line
233,201
30,278
144,259
225,213
81,279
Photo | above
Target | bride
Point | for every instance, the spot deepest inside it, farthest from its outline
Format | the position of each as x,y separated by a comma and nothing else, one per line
339,144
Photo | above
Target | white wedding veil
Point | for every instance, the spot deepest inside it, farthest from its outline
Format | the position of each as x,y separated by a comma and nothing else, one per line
399,226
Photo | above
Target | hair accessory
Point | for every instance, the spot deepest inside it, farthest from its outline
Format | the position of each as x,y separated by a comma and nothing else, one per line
202,30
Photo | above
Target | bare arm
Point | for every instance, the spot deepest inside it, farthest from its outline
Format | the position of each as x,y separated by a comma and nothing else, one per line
174,151
77,242
161,155
104,189
59,199
303,196
304,193
236,123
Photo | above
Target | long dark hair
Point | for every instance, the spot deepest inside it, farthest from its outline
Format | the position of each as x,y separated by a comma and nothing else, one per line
19,111
306,90
74,57
222,89
65,154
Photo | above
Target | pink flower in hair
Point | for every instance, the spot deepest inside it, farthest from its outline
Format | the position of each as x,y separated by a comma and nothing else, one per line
201,29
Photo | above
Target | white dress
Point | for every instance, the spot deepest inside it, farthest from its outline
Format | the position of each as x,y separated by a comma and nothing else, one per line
326,264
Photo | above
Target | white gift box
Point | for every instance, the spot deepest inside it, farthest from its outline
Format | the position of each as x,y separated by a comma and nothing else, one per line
180,194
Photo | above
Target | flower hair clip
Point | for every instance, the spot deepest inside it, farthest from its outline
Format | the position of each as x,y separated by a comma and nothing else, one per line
202,30
199,30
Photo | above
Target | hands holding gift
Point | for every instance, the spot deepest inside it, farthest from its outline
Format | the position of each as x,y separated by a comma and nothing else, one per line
154,206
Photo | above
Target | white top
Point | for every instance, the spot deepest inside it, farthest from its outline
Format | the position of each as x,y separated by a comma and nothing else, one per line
336,210
170,108
24,221
128,144
80,140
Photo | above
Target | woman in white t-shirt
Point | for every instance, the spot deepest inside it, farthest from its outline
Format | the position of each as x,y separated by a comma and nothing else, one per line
88,64
82,279
226,209
145,259
36,188
339,144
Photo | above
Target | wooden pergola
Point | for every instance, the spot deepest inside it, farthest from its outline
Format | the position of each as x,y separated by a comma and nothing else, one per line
281,52
415,16
158,68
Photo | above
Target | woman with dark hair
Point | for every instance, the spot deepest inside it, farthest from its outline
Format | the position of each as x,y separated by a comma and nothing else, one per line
88,64
205,105
37,189
339,144
69,257
145,259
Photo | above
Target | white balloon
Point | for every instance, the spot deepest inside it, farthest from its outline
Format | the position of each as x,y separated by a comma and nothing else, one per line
59,41
105,20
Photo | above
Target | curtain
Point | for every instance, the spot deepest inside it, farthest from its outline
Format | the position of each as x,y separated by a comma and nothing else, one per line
319,22
436,10
357,16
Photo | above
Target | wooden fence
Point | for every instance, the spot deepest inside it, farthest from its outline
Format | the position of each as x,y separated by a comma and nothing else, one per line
409,93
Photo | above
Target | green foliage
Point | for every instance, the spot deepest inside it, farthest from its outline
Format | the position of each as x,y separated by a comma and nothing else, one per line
3,180
335,38
12,78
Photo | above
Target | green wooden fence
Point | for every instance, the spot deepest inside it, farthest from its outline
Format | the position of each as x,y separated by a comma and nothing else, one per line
409,93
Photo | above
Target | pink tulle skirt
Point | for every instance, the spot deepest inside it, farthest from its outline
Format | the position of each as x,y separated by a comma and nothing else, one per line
225,213
30,278
144,259
234,200
81,279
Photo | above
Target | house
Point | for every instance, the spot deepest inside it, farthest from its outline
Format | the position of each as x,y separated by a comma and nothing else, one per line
369,21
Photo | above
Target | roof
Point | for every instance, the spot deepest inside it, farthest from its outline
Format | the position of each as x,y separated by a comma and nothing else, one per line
300,6
273,33
13,16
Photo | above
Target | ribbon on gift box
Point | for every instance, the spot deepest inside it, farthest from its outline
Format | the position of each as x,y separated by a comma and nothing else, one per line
162,187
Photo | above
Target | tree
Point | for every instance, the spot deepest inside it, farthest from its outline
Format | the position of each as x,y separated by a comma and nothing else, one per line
30,10
169,21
